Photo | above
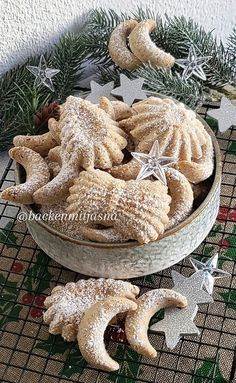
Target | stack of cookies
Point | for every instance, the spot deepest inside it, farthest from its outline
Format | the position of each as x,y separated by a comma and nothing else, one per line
82,165
81,311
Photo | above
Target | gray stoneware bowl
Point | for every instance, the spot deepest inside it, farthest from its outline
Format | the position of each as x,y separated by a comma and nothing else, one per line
129,260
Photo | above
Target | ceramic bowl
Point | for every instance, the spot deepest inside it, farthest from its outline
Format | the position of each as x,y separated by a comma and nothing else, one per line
129,260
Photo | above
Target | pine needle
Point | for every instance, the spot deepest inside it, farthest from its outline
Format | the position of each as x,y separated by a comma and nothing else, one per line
171,84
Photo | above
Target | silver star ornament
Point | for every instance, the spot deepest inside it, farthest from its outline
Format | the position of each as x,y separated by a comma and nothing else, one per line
192,65
98,91
178,322
211,272
225,115
153,164
43,74
130,90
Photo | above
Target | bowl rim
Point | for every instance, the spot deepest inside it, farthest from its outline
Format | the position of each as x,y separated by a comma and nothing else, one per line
167,233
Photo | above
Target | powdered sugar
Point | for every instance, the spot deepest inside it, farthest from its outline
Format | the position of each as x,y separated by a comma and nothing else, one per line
67,304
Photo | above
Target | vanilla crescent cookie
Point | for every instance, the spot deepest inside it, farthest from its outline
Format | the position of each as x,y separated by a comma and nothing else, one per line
145,49
92,327
89,138
37,175
40,143
136,323
67,304
179,133
118,49
182,197
136,210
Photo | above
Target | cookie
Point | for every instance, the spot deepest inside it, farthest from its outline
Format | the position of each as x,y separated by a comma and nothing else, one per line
89,138
145,49
37,175
136,210
118,48
136,323
67,304
92,327
179,133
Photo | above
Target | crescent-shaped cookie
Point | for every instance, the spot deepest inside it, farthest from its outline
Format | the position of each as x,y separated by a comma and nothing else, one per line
67,304
92,327
40,144
118,48
136,323
145,49
37,175
181,194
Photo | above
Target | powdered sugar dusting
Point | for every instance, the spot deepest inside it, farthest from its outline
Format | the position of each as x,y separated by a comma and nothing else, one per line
67,305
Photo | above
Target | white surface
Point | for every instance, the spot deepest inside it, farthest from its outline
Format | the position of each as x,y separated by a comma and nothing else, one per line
29,26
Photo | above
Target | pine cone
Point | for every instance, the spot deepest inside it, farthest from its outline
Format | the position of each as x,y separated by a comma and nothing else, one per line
41,117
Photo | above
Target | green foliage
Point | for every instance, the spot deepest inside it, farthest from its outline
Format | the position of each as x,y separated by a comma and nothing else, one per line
7,236
97,30
67,57
231,240
38,278
112,73
170,84
209,370
8,305
20,99
54,345
230,299
130,366
232,148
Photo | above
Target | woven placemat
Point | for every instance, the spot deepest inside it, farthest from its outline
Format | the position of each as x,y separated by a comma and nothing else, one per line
28,354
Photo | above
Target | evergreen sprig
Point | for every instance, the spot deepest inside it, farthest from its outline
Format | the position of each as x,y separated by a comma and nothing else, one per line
68,57
171,84
174,35
97,30
20,99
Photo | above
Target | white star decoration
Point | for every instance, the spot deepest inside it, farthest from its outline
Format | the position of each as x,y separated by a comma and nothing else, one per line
43,75
178,322
153,164
130,90
226,114
210,271
192,65
98,91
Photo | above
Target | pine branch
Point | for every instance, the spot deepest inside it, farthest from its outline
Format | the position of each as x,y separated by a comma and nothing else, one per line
183,33
68,57
232,52
112,73
97,31
232,42
24,106
171,84
20,99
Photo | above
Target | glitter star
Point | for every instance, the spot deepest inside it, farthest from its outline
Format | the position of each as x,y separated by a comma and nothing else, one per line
226,114
43,75
178,322
98,91
210,271
192,65
130,90
153,164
